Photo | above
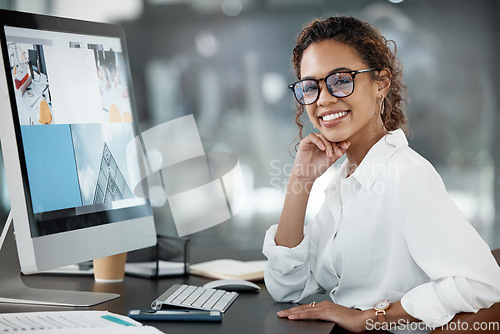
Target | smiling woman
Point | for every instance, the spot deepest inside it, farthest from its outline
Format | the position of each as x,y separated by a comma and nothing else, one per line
387,243
377,55
356,115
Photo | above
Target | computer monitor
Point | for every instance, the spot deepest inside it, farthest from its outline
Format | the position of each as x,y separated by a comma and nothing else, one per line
64,141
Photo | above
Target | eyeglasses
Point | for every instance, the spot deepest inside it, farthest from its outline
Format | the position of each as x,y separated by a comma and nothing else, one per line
339,84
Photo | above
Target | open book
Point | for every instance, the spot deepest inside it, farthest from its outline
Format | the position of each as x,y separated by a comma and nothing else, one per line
230,269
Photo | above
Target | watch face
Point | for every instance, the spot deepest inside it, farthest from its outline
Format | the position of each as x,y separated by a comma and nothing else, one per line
382,305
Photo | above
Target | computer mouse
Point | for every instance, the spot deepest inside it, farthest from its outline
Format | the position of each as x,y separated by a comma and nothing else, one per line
232,285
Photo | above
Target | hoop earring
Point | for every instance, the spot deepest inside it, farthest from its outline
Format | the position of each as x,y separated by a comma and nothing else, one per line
382,105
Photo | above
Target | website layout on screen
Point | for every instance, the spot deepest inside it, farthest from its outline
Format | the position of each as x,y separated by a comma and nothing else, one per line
76,119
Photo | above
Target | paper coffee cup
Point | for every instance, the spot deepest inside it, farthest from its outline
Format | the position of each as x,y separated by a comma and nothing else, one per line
110,269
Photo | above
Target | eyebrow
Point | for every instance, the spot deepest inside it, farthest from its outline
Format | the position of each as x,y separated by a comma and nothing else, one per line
337,70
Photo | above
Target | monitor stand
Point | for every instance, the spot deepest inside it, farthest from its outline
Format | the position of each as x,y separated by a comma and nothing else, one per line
13,289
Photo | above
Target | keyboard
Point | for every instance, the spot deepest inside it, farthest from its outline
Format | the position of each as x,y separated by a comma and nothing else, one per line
195,297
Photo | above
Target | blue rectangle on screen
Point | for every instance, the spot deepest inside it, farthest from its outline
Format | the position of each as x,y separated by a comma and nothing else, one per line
50,161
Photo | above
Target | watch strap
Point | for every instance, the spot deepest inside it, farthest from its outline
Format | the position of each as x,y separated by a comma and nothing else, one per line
381,316
380,309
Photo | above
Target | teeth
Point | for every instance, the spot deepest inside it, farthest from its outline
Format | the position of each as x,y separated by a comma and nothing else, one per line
331,117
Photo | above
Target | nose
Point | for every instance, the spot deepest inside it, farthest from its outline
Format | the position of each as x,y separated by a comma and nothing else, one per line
325,97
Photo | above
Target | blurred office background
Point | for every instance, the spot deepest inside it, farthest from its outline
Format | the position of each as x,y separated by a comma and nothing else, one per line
227,62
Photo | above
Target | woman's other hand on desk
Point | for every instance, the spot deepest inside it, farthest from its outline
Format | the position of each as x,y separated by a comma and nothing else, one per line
348,318
315,155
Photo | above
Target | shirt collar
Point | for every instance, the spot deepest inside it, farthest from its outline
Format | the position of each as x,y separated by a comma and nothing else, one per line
376,159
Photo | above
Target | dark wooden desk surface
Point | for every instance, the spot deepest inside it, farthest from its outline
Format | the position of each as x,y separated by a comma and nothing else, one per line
250,313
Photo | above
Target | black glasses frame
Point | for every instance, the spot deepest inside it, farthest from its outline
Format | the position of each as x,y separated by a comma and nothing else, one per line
352,73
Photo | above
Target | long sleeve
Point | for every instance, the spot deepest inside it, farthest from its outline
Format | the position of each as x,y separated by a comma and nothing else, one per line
290,273
288,276
464,276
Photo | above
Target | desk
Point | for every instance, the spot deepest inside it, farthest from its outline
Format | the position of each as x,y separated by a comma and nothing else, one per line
251,312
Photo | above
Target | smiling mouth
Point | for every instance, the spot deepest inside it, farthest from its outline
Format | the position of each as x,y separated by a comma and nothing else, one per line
334,116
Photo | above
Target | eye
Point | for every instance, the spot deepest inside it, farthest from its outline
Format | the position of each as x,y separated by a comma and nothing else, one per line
309,86
340,79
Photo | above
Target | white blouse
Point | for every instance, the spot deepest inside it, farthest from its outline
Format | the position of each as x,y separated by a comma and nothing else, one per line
389,231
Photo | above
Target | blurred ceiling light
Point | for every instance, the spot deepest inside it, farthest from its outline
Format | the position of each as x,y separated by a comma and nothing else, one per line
165,2
231,7
206,43
396,1
384,11
273,87
98,10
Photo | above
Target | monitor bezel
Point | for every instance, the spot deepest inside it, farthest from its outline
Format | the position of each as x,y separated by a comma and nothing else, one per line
36,253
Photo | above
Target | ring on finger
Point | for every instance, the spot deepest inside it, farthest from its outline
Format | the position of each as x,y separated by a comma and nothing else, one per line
313,304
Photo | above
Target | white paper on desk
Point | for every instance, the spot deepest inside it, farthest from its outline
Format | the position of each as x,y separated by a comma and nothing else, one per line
70,322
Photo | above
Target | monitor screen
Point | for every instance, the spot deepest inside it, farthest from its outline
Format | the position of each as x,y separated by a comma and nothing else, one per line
66,130
75,119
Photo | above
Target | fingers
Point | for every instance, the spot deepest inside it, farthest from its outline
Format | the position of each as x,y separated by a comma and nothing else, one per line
332,150
316,140
314,314
316,154
307,311
351,319
342,147
329,146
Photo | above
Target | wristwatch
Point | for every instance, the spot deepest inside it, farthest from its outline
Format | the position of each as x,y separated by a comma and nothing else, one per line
380,309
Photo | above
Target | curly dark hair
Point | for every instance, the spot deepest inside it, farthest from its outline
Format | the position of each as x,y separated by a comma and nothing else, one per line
371,47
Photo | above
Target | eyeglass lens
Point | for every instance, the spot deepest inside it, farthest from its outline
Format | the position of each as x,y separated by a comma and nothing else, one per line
338,84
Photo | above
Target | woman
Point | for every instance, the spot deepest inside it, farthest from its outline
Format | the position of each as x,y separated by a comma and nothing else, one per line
388,244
